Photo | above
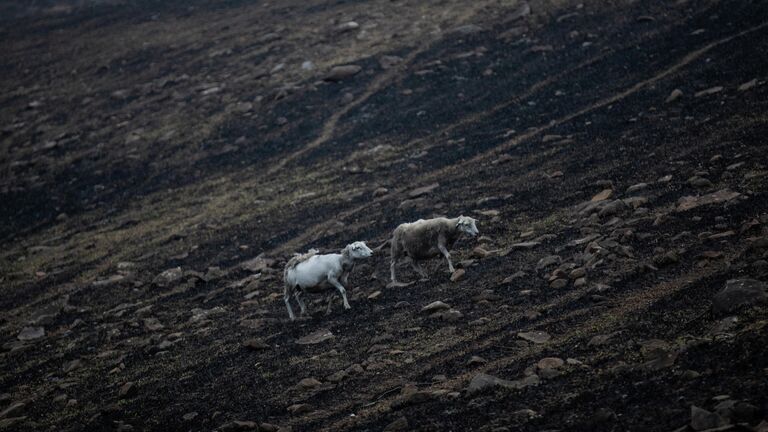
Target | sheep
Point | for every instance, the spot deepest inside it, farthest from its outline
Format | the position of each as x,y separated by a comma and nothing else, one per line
426,239
314,273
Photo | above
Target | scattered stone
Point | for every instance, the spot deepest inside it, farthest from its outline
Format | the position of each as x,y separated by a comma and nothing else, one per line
466,30
401,424
700,182
602,196
340,73
301,408
168,277
153,324
536,336
374,295
748,85
558,283
739,293
13,409
127,390
30,333
380,192
483,381
238,425
315,337
550,363
548,261
258,264
424,190
450,315
189,416
256,344
702,419
308,383
637,187
689,202
72,365
347,26
612,208
525,245
675,95
476,361
457,275
709,91
435,306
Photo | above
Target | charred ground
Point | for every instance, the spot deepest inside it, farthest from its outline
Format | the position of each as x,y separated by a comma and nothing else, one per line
141,137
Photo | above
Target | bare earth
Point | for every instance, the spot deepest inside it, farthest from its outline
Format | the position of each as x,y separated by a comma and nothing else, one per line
161,160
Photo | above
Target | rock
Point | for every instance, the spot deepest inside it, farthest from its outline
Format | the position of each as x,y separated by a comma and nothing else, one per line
689,202
258,264
675,95
450,315
14,409
424,190
435,306
601,340
517,275
72,365
308,383
700,182
30,333
127,390
558,284
702,419
580,282
347,26
153,324
189,416
301,408
612,208
380,192
709,91
168,277
112,280
577,273
256,344
340,73
483,381
457,275
602,196
548,261
476,361
6,423
401,424
238,425
739,293
536,336
307,65
374,295
315,337
637,187
550,363
748,85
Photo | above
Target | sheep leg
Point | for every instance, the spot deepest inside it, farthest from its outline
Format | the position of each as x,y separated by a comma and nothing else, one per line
297,296
342,290
447,256
287,298
330,303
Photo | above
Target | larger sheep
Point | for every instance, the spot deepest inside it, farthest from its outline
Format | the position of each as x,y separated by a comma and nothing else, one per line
314,273
425,239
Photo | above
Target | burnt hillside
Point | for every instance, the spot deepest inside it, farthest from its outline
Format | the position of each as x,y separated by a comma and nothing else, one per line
162,160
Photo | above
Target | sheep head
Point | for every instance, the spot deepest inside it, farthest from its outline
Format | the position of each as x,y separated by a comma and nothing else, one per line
467,225
358,250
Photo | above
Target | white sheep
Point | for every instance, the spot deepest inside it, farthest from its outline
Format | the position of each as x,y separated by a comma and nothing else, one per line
313,273
426,239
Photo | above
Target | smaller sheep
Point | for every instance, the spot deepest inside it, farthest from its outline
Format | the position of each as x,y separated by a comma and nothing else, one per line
426,239
313,273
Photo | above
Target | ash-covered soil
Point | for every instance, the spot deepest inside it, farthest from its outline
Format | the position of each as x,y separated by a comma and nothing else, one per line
161,160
